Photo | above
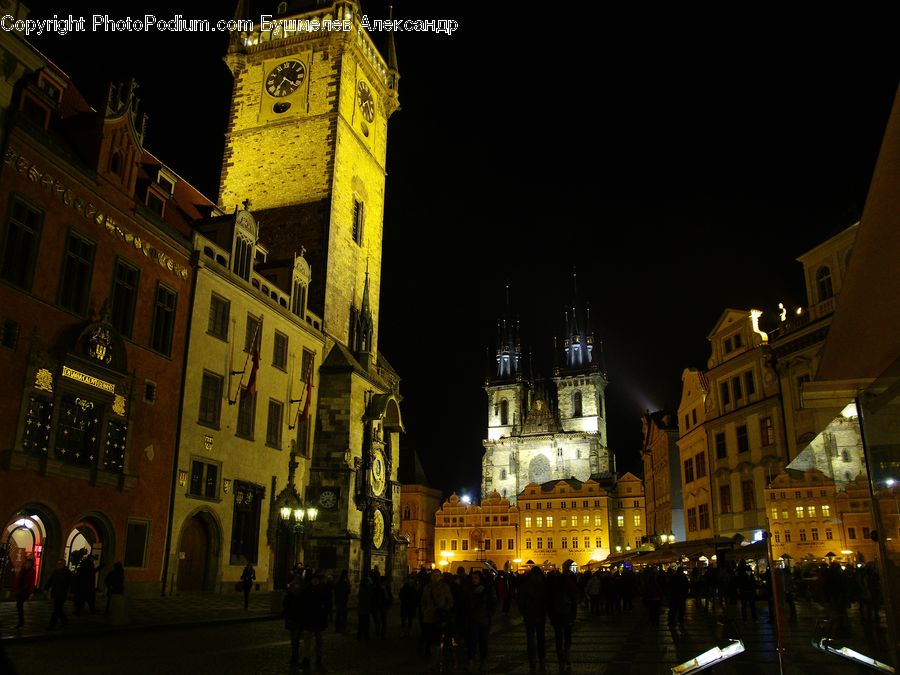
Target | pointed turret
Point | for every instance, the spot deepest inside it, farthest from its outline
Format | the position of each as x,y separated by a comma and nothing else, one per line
365,327
509,350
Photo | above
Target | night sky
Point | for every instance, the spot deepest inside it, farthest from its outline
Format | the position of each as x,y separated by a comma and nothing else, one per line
679,168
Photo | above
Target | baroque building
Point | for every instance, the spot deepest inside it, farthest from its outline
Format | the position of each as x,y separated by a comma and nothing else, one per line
306,143
545,430
418,504
662,475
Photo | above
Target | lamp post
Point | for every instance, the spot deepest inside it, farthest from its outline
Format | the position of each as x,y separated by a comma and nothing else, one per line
292,520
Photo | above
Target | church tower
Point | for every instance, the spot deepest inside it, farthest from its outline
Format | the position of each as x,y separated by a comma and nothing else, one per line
581,377
306,145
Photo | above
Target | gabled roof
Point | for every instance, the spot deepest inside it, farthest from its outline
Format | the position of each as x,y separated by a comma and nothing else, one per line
730,315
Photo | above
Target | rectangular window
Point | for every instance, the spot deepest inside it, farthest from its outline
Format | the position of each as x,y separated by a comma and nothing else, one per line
163,320
487,544
703,511
210,399
784,514
692,519
774,513
23,235
443,544
465,544
826,511
549,521
499,544
274,424
252,335
204,479
528,506
811,511
549,505
527,521
736,388
528,543
694,416
75,280
636,503
777,537
453,544
802,534
799,511
747,495
829,534
865,533
219,311
787,536
246,414
637,520
358,221
549,542
598,542
767,431
540,542
815,534
743,440
586,520
124,297
306,366
620,521
245,522
136,535
851,533
540,521
749,383
725,498
721,448
280,351
700,465
725,393
688,471
565,542
510,543
564,522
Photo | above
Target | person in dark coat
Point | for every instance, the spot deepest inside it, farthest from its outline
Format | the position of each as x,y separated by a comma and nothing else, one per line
341,598
248,576
315,605
381,603
115,583
409,604
85,585
58,586
678,587
746,584
481,602
563,608
532,600
23,588
363,608
294,616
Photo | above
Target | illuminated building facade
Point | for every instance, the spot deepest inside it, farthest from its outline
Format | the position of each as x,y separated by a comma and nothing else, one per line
418,504
694,457
540,431
306,143
662,475
476,532
253,352
95,287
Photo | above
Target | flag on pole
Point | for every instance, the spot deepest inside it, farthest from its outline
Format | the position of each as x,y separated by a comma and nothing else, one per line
309,376
250,389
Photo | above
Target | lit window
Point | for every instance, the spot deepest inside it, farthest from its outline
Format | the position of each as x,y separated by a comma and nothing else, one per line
799,511
637,520
826,511
540,521
811,511
774,513
527,521
620,521
598,520
549,521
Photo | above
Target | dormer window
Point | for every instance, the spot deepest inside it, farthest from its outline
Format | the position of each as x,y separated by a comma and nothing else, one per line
243,257
166,182
823,283
156,202
52,89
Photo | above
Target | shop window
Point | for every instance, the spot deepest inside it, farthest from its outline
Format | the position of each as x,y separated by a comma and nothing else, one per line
38,417
114,452
78,431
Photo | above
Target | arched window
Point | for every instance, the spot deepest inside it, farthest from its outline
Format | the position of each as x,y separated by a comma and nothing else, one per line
406,513
823,283
576,404
504,412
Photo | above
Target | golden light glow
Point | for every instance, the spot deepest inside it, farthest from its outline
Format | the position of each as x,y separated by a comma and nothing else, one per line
597,555
517,560
846,552
285,512
443,562
754,319
447,554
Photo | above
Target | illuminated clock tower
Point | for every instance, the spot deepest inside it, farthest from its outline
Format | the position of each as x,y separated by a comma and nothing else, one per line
306,144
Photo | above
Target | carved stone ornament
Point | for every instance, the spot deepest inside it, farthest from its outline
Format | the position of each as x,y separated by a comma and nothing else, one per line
100,345
118,405
43,380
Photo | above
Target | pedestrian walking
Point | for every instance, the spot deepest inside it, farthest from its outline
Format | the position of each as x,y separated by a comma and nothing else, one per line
23,587
86,585
294,616
341,598
746,584
482,600
409,602
58,586
532,599
363,608
381,603
678,586
563,608
115,584
315,607
436,604
248,576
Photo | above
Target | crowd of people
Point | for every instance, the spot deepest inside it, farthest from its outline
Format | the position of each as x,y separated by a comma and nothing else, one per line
77,579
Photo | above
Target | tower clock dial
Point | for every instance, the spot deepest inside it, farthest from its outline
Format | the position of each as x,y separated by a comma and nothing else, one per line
378,473
285,78
378,530
366,101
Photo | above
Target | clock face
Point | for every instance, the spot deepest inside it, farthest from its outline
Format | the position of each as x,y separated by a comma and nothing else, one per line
366,101
378,530
285,78
327,499
378,473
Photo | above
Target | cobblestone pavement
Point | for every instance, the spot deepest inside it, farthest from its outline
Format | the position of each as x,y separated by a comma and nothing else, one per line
214,634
